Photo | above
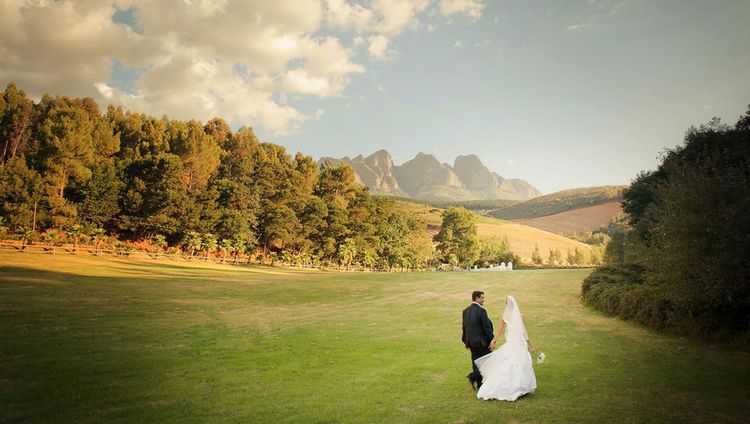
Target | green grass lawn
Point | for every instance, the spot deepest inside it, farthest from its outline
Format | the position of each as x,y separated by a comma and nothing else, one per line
85,339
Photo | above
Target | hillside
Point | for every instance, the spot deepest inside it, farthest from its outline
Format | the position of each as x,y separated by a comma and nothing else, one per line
478,206
522,238
560,202
424,177
577,220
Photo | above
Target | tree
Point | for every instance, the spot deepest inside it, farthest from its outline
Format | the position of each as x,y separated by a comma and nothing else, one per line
347,252
197,150
536,256
458,236
160,242
65,135
208,243
20,189
16,119
193,242
239,246
494,250
98,235
25,235
53,237
75,234
225,246
154,198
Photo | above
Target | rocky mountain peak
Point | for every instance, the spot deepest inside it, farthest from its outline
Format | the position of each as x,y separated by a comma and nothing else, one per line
424,177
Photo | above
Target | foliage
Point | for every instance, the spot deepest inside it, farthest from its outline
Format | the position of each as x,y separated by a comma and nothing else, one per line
494,250
65,165
536,256
690,234
457,239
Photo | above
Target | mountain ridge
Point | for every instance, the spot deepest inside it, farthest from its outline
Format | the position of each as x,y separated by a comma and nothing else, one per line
424,177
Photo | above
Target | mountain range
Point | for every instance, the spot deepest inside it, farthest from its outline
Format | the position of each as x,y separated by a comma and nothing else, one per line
424,177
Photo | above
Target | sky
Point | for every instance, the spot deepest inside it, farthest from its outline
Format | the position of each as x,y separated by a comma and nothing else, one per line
562,94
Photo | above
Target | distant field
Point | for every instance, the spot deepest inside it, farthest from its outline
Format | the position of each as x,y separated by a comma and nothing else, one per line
522,238
86,339
560,202
590,218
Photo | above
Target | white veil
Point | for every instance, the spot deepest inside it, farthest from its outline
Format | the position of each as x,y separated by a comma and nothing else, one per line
515,330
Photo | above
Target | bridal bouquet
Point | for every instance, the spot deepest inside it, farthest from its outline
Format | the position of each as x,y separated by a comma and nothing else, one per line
540,358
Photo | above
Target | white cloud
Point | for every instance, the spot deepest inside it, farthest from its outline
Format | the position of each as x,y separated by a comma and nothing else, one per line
576,27
458,44
378,47
340,14
472,8
397,15
248,61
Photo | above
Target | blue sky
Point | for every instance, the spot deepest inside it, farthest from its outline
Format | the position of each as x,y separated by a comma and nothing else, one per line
561,94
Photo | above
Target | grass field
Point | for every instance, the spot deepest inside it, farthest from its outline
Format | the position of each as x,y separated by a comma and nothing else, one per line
85,339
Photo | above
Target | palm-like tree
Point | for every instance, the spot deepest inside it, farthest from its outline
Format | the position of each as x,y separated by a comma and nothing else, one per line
75,233
193,242
52,237
238,247
99,236
209,243
226,246
25,235
3,226
285,257
160,242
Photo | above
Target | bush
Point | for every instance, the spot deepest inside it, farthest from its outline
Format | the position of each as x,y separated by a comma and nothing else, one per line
623,291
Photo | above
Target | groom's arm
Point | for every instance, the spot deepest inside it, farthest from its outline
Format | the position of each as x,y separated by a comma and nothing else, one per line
463,329
486,325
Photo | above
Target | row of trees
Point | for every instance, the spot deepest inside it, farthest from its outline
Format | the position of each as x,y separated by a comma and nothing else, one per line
66,164
575,257
684,262
69,171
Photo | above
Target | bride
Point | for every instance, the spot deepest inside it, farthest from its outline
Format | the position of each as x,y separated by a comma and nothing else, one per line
508,372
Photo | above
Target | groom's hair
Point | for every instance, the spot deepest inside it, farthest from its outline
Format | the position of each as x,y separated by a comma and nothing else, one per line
476,294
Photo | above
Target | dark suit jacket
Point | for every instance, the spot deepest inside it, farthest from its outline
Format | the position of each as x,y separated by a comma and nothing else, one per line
477,327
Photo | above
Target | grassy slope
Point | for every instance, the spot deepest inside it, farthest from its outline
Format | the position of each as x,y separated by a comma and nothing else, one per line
522,238
560,202
590,218
89,339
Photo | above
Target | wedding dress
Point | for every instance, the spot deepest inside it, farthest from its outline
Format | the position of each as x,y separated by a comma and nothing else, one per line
508,371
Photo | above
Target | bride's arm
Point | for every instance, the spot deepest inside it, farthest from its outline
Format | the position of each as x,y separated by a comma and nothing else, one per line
498,331
529,345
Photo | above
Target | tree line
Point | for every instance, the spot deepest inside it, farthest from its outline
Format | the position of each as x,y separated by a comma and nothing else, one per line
69,169
683,262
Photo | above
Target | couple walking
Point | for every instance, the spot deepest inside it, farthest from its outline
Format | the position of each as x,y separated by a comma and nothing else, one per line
504,373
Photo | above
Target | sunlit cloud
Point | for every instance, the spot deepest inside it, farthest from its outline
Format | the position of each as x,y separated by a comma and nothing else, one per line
248,61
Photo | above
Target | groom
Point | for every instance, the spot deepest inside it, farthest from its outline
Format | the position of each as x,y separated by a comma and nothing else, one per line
476,334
